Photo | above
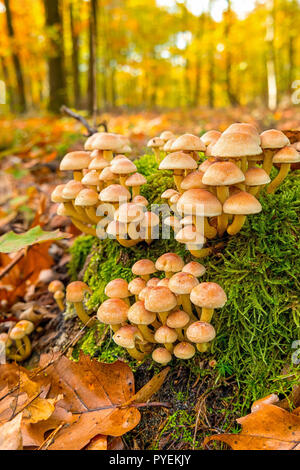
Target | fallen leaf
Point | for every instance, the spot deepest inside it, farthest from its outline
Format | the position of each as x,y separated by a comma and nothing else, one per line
11,435
98,443
12,242
151,388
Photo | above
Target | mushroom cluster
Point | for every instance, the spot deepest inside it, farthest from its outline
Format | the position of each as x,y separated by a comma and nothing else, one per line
16,343
165,316
104,198
217,196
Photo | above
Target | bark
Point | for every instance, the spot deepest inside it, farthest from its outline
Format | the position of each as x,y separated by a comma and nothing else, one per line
75,58
92,81
228,59
271,67
199,36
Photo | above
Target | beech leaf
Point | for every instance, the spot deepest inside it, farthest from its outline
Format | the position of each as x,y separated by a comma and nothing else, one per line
12,242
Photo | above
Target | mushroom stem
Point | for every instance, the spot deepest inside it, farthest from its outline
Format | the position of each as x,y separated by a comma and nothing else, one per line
163,316
157,154
136,354
80,214
108,155
187,306
244,164
237,224
209,231
284,171
123,179
78,176
27,347
169,347
20,347
180,334
81,313
223,195
83,228
136,190
127,243
115,328
146,332
207,314
92,215
72,212
254,190
268,160
178,178
203,253
203,347
60,302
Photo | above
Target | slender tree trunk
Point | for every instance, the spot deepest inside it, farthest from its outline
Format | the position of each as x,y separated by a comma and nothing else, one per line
92,82
271,67
199,36
57,81
16,60
211,60
227,34
75,58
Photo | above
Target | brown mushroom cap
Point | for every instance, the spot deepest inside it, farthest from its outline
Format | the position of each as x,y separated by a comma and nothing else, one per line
194,268
188,220
117,289
162,356
273,139
242,203
114,193
140,200
123,166
211,137
143,293
193,181
91,178
87,197
21,329
166,136
172,222
150,220
144,267
188,142
113,312
98,163
104,141
183,283
168,145
256,177
76,292
75,161
136,180
54,286
169,193
208,295
128,213
57,195
139,315
115,229
169,262
178,319
287,155
163,282
72,189
189,235
201,332
136,286
178,161
126,336
157,142
206,164
199,202
223,174
153,282
236,145
62,211
244,128
107,175
184,351
165,335
160,299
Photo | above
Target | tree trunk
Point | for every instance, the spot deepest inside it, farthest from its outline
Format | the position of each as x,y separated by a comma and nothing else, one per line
16,60
92,82
199,36
75,59
57,81
211,60
228,60
271,67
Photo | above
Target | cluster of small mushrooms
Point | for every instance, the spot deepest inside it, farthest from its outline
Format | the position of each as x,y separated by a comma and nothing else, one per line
16,345
104,198
217,196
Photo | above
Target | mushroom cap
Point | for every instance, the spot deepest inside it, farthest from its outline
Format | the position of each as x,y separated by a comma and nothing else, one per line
165,335
76,291
103,141
273,139
115,229
184,351
188,142
62,211
140,200
98,163
136,180
54,286
193,181
72,189
194,268
183,283
244,128
117,289
287,155
123,166
91,178
129,212
153,282
172,222
188,220
75,161
199,202
166,136
174,199
210,137
21,329
87,197
136,286
107,175
242,203
115,193
223,174
143,293
4,339
169,262
168,145
169,193
113,312
178,319
143,267
201,332
139,315
163,282
162,356
57,195
150,220
207,163
178,161
189,235
237,145
208,295
156,142
126,336
59,295
160,299
256,177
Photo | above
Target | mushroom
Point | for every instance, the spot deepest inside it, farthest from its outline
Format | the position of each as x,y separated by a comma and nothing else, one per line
189,143
168,145
194,241
140,201
135,182
107,178
132,216
20,334
69,195
136,286
156,144
117,230
76,292
209,296
76,162
271,142
55,287
193,181
207,163
255,178
177,321
182,284
166,336
153,282
194,268
91,180
285,157
30,315
172,222
161,301
5,344
162,356
166,136
163,282
88,199
97,165
169,263
115,194
113,312
184,351
118,289
150,227
202,334
179,163
144,268
140,316
123,167
210,137
240,205
107,143
126,337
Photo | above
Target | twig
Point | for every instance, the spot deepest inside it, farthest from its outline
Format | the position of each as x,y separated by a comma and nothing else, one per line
11,265
120,407
91,130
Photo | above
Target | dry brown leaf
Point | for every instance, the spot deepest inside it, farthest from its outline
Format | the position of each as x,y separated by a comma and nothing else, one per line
10,434
98,443
151,388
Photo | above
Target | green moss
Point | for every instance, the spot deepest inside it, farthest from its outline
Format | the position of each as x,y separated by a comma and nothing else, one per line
79,252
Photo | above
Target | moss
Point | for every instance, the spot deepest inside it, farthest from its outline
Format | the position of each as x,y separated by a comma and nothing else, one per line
79,252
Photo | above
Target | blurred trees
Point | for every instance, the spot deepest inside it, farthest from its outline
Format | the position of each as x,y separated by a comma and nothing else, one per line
98,54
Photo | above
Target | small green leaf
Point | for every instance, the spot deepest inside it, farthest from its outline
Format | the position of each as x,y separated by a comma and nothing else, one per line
11,242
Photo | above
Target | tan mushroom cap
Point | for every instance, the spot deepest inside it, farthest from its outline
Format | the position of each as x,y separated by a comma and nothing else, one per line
136,180
75,161
188,142
139,315
98,163
273,139
169,193
160,299
123,166
136,286
189,235
163,282
91,178
116,229
140,200
178,319
55,286
87,197
287,155
188,220
113,312
115,193
172,222
162,356
256,177
57,195
236,145
126,336
184,351
144,267
143,293
206,164
117,289
193,180
150,220
211,137
62,211
128,213
223,174
166,136
169,262
153,282
157,142
183,283
165,335
174,199
104,141
21,329
107,175
178,161
199,202
194,268
76,292
242,203
168,146
72,189
244,128
4,339
208,295
201,332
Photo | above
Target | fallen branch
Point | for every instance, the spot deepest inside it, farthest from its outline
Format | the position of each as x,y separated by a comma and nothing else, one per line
91,130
